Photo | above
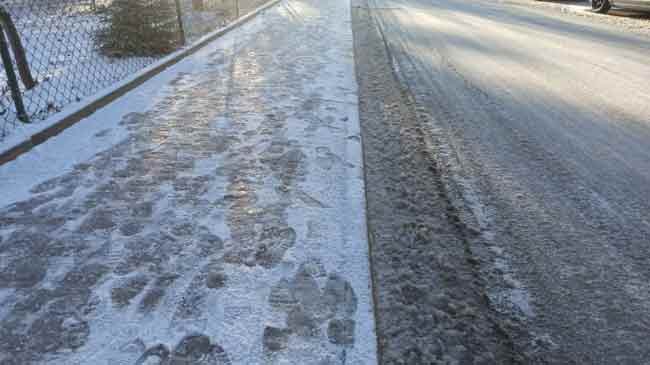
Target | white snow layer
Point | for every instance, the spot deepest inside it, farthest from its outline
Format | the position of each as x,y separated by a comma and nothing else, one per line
327,213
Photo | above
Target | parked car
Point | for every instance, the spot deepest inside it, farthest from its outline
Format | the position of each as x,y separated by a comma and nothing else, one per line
603,6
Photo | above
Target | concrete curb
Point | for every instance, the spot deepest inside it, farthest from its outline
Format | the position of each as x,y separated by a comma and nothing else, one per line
104,98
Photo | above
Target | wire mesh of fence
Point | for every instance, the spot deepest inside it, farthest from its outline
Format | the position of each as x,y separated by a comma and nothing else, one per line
72,49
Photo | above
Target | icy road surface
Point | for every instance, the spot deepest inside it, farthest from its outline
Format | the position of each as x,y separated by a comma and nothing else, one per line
540,126
214,215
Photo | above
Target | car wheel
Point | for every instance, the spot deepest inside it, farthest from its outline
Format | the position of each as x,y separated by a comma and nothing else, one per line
601,6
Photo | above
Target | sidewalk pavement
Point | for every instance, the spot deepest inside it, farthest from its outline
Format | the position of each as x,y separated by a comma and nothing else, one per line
214,215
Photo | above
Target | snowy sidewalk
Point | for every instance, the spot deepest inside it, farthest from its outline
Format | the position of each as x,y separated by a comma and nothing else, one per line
214,215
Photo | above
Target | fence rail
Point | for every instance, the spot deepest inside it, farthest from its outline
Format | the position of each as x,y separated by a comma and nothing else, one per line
65,50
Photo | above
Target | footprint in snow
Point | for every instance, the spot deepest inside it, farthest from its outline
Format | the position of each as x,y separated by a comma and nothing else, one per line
319,308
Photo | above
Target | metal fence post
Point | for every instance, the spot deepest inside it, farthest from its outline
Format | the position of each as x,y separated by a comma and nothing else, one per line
12,80
179,15
17,48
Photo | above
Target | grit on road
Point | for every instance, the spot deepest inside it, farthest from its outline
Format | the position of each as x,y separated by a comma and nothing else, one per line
539,126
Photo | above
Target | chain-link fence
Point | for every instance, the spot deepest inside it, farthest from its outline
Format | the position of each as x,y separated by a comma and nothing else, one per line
57,52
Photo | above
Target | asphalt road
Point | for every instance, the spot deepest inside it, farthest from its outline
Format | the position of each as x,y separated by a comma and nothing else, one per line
540,124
